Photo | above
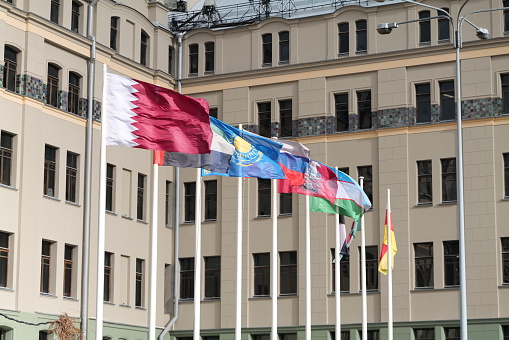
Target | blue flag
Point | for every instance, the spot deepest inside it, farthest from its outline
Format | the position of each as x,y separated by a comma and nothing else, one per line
254,156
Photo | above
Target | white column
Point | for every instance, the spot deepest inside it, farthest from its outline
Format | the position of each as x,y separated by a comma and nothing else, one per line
153,254
274,266
197,259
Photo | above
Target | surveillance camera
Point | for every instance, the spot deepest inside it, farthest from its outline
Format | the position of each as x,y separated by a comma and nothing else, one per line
386,28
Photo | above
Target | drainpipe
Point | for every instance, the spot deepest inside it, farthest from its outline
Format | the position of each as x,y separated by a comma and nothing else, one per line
176,222
88,184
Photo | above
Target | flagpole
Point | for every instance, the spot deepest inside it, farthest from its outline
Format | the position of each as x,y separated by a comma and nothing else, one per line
363,274
102,221
274,260
153,253
308,271
197,258
238,288
389,266
337,277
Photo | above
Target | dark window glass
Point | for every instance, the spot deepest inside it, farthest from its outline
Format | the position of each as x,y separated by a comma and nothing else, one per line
71,174
364,109
505,329
505,91
424,334
74,92
211,200
210,337
140,264
213,112
373,335
45,266
209,56
284,46
110,181
189,201
53,84
43,335
108,276
367,173
506,174
193,59
267,49
345,335
264,119
423,265
68,269
505,260
452,333
342,117
285,203
10,68
171,57
144,48
140,206
451,263
55,6
506,16
264,197
6,154
424,182
75,16
285,114
289,336
449,179
423,102
213,277
187,278
114,32
288,273
345,170
447,101
344,280
167,202
344,39
444,27
4,258
371,267
50,168
424,28
261,274
260,337
361,31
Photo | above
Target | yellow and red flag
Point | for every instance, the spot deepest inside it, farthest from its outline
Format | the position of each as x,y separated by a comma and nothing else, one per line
382,264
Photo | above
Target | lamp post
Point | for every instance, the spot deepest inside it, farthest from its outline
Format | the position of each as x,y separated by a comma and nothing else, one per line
482,33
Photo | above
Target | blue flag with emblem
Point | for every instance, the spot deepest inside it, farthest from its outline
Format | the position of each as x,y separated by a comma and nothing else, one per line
254,156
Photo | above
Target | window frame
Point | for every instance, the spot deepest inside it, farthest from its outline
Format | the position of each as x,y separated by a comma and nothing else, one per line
110,187
193,59
418,336
264,197
144,48
426,262
361,35
69,279
114,29
10,71
187,278
139,296
504,245
344,272
424,27
211,201
189,202
75,16
444,27
447,100
73,105
371,268
7,145
265,119
209,57
53,85
424,181
55,11
46,285
504,83
449,178
267,49
423,103
285,118
288,271
71,177
364,110
505,157
50,171
5,252
451,259
261,274
505,3
108,277
284,47
141,197
212,287
343,38
342,111
366,171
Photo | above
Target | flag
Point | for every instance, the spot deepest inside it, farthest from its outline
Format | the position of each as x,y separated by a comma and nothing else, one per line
142,115
343,251
294,160
353,233
382,265
254,156
319,181
350,199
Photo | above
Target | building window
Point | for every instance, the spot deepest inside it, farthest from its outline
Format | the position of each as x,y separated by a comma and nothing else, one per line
75,16
264,197
448,180
213,112
344,267
367,173
364,109
53,84
267,49
451,263
6,154
264,119
209,57
345,335
361,31
506,174
447,100
140,205
43,335
210,337
289,336
345,170
189,201
261,274
285,203
74,92
452,333
193,59
505,260
424,334
71,177
68,270
505,90
344,39
114,32
55,6
444,27
342,118
424,182
288,273
144,48
140,283
46,266
211,200
4,258
371,267
373,335
10,68
506,16
285,116
108,277
423,103
110,186
171,58
127,190
213,277
187,278
167,202
260,337
424,265
424,28
284,47
50,169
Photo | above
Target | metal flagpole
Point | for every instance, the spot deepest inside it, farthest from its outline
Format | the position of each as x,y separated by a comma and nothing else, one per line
363,275
274,275
337,277
238,288
102,222
308,271
197,259
389,266
153,254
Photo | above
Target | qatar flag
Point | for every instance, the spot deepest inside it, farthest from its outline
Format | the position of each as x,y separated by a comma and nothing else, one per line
147,116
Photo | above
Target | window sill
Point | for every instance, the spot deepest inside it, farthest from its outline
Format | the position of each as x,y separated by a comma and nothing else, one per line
284,62
445,41
449,203
424,43
73,204
260,297
127,217
452,287
422,289
192,75
504,286
7,289
190,300
187,222
209,72
361,52
141,221
121,305
343,55
286,296
267,65
262,217
111,213
505,199
342,293
210,221
140,308
51,198
418,205
70,298
285,215
48,295
8,187
211,299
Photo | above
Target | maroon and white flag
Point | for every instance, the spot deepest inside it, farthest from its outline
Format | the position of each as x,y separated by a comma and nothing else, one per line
147,116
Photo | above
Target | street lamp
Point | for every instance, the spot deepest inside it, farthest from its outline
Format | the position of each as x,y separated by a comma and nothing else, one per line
482,33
